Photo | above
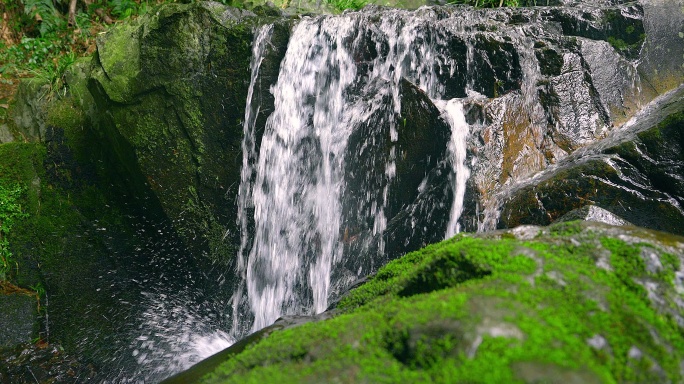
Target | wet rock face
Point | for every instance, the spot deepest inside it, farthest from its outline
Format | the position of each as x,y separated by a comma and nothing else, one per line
636,176
539,83
663,54
375,160
18,319
410,167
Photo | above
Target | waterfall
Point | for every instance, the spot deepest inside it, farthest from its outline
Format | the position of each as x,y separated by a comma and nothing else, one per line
452,111
328,183
326,87
248,172
299,175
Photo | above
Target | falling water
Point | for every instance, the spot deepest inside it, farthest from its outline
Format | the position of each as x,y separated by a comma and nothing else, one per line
248,172
299,175
342,73
452,111
296,181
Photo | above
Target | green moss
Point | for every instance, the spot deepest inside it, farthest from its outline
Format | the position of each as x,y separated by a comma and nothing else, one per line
489,309
10,212
566,228
120,61
65,114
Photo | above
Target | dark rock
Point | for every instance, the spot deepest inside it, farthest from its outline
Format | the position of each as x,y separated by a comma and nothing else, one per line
18,319
662,63
170,92
496,66
402,166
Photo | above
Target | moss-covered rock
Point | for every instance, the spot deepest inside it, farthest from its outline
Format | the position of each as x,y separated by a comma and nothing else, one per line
29,110
170,89
575,302
55,246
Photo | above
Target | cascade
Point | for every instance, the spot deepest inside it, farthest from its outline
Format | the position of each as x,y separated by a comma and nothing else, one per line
324,196
294,186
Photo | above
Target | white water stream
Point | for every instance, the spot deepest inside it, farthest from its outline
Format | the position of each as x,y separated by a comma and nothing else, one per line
296,181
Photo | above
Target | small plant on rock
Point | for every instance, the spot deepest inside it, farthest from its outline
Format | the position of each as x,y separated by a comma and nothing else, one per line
10,212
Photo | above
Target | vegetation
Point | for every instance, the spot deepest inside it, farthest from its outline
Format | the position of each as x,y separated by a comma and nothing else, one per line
41,37
10,211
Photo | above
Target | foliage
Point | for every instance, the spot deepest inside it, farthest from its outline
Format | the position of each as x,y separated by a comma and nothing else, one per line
31,53
45,13
10,212
54,75
41,35
341,5
126,8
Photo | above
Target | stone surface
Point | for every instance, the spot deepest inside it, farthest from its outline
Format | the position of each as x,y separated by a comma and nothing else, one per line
635,174
29,111
5,135
415,157
170,92
593,213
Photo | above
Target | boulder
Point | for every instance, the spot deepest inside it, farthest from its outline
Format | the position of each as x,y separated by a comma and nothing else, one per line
407,167
170,92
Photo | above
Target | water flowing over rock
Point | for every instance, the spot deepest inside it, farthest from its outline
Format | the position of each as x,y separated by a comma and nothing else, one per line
343,152
392,128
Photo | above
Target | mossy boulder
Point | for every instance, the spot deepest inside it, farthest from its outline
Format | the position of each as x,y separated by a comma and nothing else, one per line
170,89
576,302
29,110
56,247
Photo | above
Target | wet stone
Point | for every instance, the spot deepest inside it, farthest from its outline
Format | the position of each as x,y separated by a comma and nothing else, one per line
17,319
